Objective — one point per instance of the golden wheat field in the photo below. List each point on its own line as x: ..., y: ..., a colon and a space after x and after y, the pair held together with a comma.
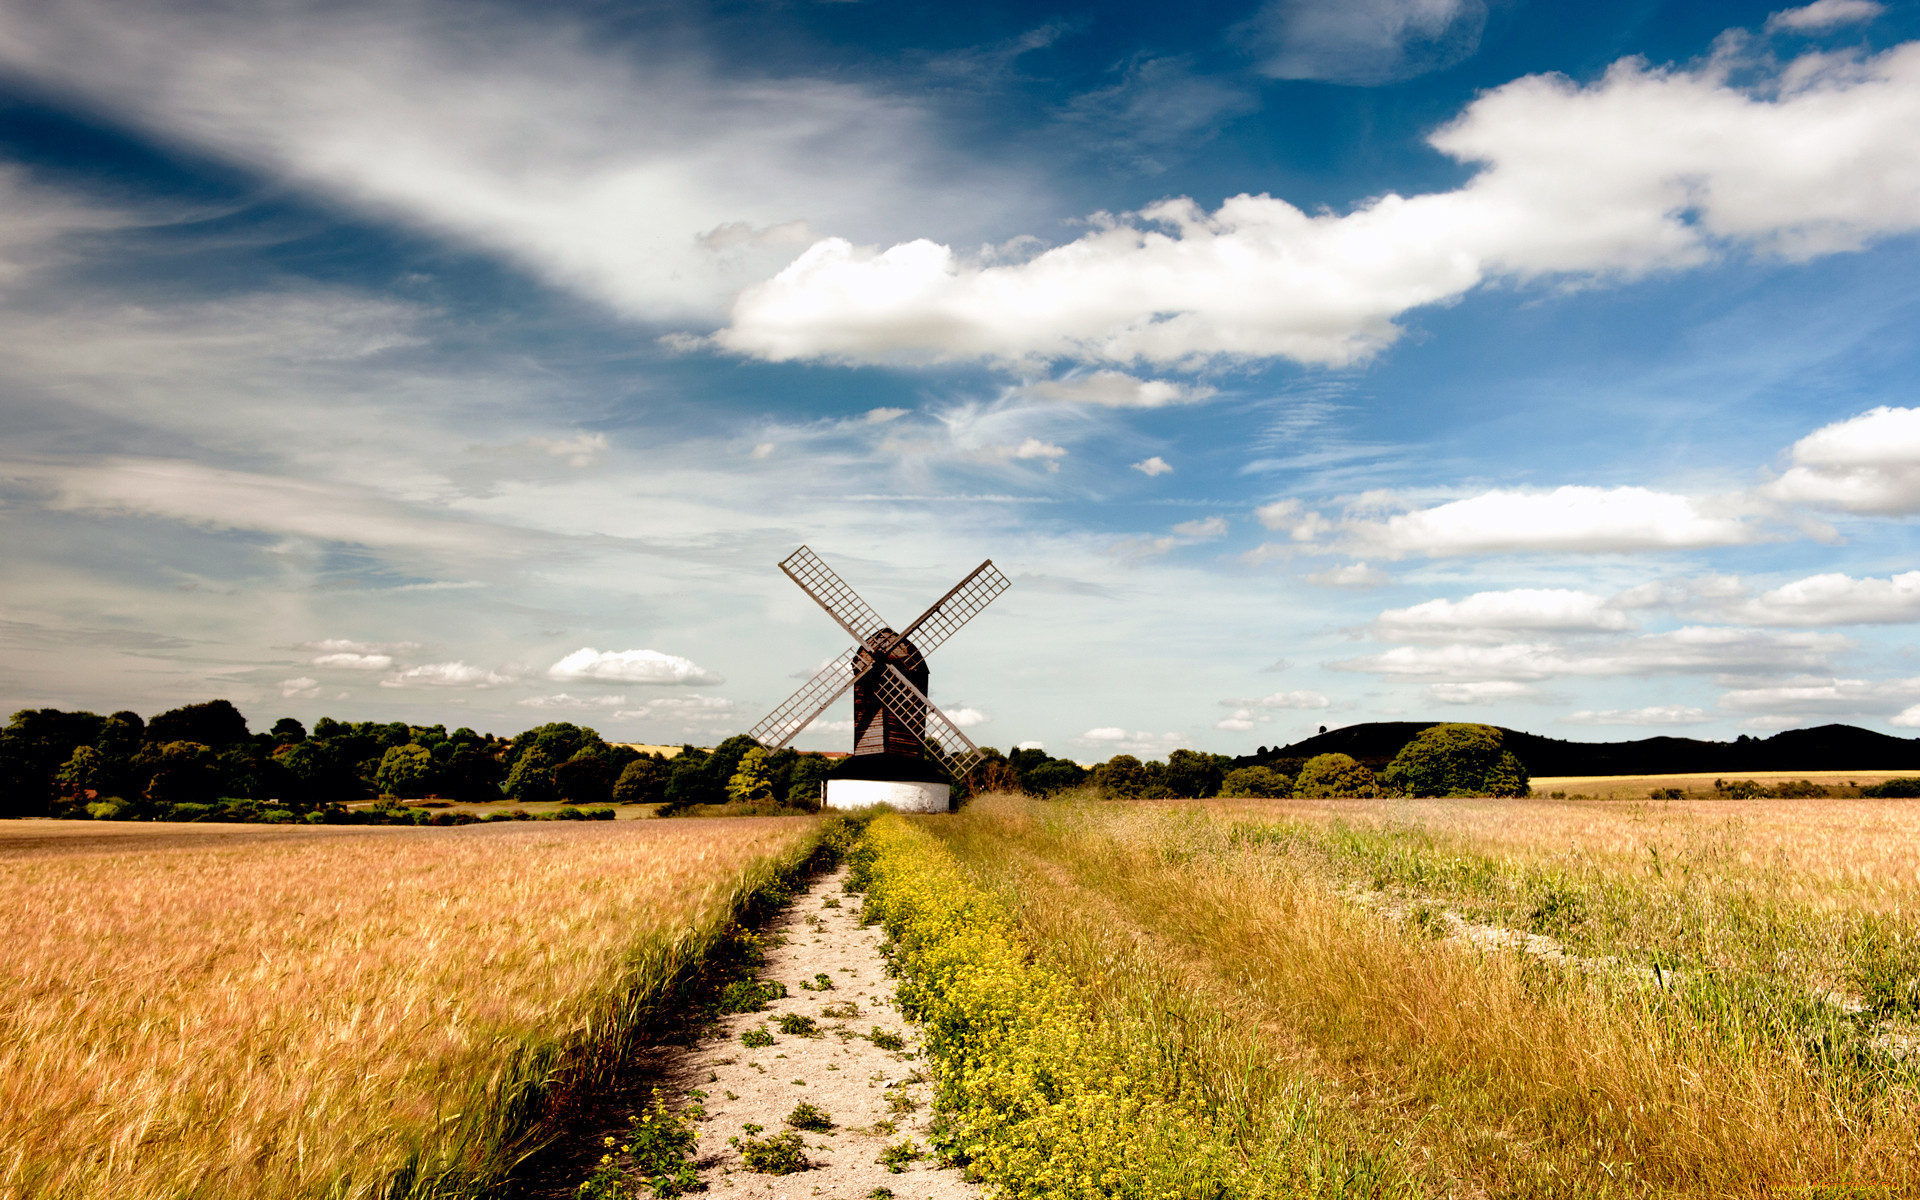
x: 1499, y: 998
x: 190, y: 1012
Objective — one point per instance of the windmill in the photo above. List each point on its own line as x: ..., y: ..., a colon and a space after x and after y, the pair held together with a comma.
x: 896, y: 729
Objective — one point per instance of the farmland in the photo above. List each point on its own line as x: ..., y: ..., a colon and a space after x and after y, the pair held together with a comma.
x: 1465, y: 997
x: 271, y: 1012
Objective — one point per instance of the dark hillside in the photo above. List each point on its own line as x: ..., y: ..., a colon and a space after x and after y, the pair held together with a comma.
x: 1825, y: 748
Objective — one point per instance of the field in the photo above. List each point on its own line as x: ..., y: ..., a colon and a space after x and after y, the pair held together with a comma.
x: 263, y: 1011
x: 1700, y: 783
x: 1447, y: 998
x: 1176, y: 999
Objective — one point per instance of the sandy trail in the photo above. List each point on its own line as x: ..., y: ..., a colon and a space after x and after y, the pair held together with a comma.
x: 876, y: 1098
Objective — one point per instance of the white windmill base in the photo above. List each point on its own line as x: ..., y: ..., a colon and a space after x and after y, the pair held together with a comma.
x: 904, y: 795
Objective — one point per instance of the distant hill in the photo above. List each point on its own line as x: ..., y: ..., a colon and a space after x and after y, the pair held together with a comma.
x: 1825, y: 748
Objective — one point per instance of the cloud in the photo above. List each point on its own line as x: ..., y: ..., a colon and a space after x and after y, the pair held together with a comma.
x: 1483, y: 692
x: 563, y: 700
x: 303, y: 687
x: 353, y: 662
x: 446, y: 674
x: 1647, y: 169
x: 1035, y: 448
x: 967, y: 718
x: 1030, y: 746
x: 1491, y: 616
x: 702, y: 715
x: 1152, y: 466
x: 1366, y: 41
x: 1567, y: 519
x: 224, y: 499
x: 1283, y: 700
x: 1864, y: 464
x: 1353, y: 575
x: 1111, y: 739
x: 579, y: 450
x: 1834, y: 599
x: 1115, y: 389
x: 1186, y: 533
x: 516, y: 132
x: 631, y: 666
x: 1207, y: 529
x: 1823, y: 15
x: 1682, y: 651
x: 1664, y: 714
x: 1906, y: 718
x: 349, y: 646
x: 1822, y: 697
x: 1300, y: 523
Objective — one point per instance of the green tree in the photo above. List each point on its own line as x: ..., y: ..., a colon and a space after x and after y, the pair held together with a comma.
x: 287, y: 729
x: 1191, y: 775
x: 1053, y: 775
x: 751, y: 780
x: 184, y: 773
x: 1256, y: 781
x: 1121, y: 777
x: 405, y: 771
x: 1456, y: 759
x: 1334, y: 775
x: 531, y: 779
x: 585, y: 778
x: 803, y: 785
x: 644, y: 781
x: 214, y: 724
x: 86, y: 771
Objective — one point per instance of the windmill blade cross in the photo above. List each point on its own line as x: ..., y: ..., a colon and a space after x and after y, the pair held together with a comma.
x: 831, y: 592
x: 945, y: 743
x: 957, y: 607
x: 799, y: 710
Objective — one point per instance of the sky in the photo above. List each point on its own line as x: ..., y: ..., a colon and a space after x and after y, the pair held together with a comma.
x: 1302, y: 363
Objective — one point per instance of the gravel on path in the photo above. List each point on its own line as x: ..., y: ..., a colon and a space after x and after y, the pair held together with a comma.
x: 876, y: 1098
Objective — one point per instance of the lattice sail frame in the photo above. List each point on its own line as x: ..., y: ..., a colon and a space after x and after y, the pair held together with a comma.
x: 942, y: 739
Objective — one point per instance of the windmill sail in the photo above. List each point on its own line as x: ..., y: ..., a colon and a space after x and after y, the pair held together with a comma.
x: 798, y: 711
x: 957, y: 607
x: 944, y: 742
x: 831, y: 592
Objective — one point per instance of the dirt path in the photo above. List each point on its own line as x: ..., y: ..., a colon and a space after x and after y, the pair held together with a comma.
x: 876, y: 1097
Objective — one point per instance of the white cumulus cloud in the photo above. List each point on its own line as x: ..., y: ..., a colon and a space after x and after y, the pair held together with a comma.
x: 302, y: 687
x: 1491, y: 616
x: 1835, y: 599
x: 630, y: 666
x: 1660, y: 714
x: 1823, y: 697
x: 967, y: 718
x: 1566, y: 519
x: 1647, y: 169
x: 1824, y: 14
x: 446, y: 674
x: 1152, y: 466
x: 1485, y: 691
x: 1864, y: 464
x: 353, y: 662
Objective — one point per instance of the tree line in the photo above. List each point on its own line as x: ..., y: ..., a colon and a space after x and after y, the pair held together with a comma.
x: 202, y: 762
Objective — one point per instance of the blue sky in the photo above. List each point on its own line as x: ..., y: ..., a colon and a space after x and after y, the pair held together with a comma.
x: 1302, y: 363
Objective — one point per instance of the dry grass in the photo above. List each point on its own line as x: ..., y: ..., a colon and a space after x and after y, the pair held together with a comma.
x: 263, y: 1015
x: 1498, y: 1074
x: 1857, y: 853
x: 1700, y: 783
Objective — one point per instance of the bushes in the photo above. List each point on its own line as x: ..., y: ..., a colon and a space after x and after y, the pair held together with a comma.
x: 1334, y: 775
x: 1257, y: 782
x: 1456, y: 760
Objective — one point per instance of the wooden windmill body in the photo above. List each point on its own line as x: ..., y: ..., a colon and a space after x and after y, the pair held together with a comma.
x: 906, y: 752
